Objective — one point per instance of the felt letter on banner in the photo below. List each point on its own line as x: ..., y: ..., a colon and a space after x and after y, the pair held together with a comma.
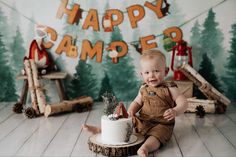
x: 53, y: 37
x: 121, y: 46
x: 91, y: 20
x: 144, y: 42
x: 71, y: 13
x: 135, y: 18
x: 118, y: 14
x: 174, y: 30
x: 156, y: 8
x: 64, y: 45
x: 87, y: 49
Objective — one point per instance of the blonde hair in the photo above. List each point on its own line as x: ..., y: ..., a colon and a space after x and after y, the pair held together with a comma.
x: 153, y: 54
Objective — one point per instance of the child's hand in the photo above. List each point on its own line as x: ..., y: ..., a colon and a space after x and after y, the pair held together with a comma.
x: 169, y: 114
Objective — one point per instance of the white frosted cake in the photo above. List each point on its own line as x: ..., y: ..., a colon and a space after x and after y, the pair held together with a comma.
x: 115, y: 131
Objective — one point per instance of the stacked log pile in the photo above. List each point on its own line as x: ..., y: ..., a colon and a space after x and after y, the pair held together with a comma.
x: 38, y: 100
x: 221, y: 102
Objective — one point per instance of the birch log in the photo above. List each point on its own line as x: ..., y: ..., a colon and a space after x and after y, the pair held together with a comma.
x: 208, y: 105
x: 41, y: 100
x: 68, y: 105
x: 206, y: 88
x: 31, y: 85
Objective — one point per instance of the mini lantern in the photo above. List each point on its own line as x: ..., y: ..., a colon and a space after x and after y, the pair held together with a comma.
x: 107, y: 25
x: 183, y: 56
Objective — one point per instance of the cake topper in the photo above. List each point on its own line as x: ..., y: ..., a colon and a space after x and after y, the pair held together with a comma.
x: 110, y: 103
x: 121, y: 111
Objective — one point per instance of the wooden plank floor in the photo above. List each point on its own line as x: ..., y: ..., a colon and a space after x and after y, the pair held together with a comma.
x: 62, y: 135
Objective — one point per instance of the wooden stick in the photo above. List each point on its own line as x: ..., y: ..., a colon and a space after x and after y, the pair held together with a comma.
x: 18, y: 107
x: 31, y: 85
x: 68, y: 105
x: 60, y: 90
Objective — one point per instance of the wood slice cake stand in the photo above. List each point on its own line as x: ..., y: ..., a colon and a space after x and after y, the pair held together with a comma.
x: 115, y: 150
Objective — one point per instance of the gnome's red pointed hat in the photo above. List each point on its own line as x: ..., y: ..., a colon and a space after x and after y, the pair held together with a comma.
x: 121, y: 112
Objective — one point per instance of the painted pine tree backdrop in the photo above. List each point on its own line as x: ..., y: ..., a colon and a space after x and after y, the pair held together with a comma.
x: 206, y: 36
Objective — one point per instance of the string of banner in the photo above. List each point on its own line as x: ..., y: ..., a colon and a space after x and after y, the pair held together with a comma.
x: 116, y: 49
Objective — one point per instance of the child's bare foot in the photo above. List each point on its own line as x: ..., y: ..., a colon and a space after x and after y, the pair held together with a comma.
x: 143, y: 152
x: 92, y: 129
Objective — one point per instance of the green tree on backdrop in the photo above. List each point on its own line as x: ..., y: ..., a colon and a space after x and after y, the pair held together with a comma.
x: 5, y: 32
x: 4, y: 28
x: 195, y: 44
x: 211, y: 38
x: 77, y: 33
x: 7, y: 84
x: 83, y: 82
x: 211, y: 49
x: 230, y: 78
x: 14, y: 20
x: 105, y: 87
x: 97, y: 68
x: 18, y: 52
x: 122, y: 75
x: 207, y: 70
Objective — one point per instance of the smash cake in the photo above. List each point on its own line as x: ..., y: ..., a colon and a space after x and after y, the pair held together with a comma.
x: 116, y: 128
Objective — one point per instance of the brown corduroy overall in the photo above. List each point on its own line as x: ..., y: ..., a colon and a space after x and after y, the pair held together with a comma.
x: 150, y: 122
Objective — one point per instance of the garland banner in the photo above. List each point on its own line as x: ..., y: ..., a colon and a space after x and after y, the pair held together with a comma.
x: 135, y: 14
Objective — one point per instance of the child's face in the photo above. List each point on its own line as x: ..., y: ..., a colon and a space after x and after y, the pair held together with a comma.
x: 153, y: 71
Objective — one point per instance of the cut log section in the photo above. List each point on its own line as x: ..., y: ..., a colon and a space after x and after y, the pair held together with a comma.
x: 115, y: 150
x: 68, y: 106
x: 206, y: 88
x: 208, y: 105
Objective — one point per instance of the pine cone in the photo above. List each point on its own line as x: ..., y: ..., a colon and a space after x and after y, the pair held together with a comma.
x: 200, y: 111
x: 18, y: 107
x: 30, y: 112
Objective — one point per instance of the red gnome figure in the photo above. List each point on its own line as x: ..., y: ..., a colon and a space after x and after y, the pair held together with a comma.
x: 37, y: 51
